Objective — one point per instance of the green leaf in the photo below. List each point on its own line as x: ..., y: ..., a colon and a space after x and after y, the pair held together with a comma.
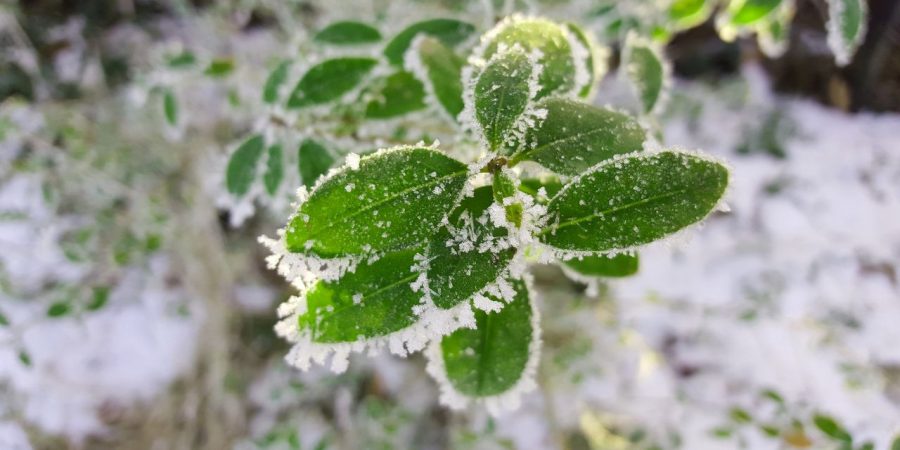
x: 450, y: 32
x: 531, y: 186
x: 646, y: 72
x: 395, y: 95
x: 895, y: 444
x: 372, y: 301
x: 633, y: 200
x: 558, y: 74
x: 749, y: 11
x: 219, y: 67
x: 582, y: 36
x: 274, y: 169
x: 170, y: 107
x: 59, y: 309
x: 502, y: 93
x: 440, y: 69
x: 846, y: 28
x: 575, y: 136
x: 492, y: 358
x: 740, y: 415
x: 329, y: 80
x: 274, y: 81
x: 620, y: 265
x: 314, y: 160
x: 394, y: 200
x: 4, y: 322
x: 681, y: 10
x: 505, y: 187
x: 241, y: 170
x: 457, y: 271
x: 99, y: 298
x: 831, y: 428
x: 181, y: 60
x: 348, y: 33
x: 25, y: 358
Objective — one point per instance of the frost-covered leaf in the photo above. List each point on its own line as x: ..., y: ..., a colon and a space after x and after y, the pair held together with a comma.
x: 450, y: 32
x: 241, y: 170
x: 394, y: 95
x: 747, y: 12
x: 502, y: 94
x: 274, y: 169
x: 620, y: 265
x: 595, y: 68
x: 466, y: 255
x: 274, y: 81
x: 348, y: 33
x: 646, y: 72
x: 846, y: 28
x: 561, y: 71
x: 633, y: 200
x: 329, y: 80
x: 219, y: 67
x: 170, y: 107
x: 374, y: 300
x: 496, y: 357
x: 440, y: 69
x: 313, y: 161
x: 394, y: 199
x: 575, y: 136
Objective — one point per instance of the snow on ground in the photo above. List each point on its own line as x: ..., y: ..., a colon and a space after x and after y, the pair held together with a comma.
x: 81, y: 366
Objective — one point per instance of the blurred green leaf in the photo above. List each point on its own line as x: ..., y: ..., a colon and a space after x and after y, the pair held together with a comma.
x: 395, y: 95
x: 170, y: 107
x: 348, y: 33
x: 274, y: 169
x: 329, y: 80
x: 219, y: 67
x: 59, y: 309
x: 443, y: 72
x: 274, y: 81
x: 313, y: 161
x: 241, y: 170
x: 450, y: 32
x: 831, y: 428
x: 645, y: 71
x: 620, y: 265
